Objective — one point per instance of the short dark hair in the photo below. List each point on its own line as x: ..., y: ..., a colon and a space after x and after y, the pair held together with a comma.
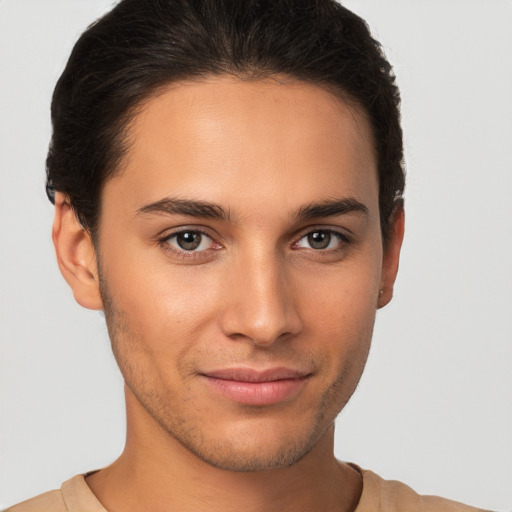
x: 140, y: 46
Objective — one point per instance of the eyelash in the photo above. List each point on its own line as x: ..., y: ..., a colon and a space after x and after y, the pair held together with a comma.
x: 344, y: 241
x: 164, y: 243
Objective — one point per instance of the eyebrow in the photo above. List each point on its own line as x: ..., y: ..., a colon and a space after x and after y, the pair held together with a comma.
x: 192, y: 208
x: 332, y: 208
x: 204, y: 209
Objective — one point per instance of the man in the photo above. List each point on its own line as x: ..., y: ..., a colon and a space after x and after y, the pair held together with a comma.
x: 227, y: 179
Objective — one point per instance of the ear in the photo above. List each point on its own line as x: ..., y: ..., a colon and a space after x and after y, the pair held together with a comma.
x: 391, y: 257
x: 75, y: 254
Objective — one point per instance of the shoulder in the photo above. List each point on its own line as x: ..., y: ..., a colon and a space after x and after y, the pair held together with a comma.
x: 51, y: 501
x: 393, y: 496
x: 73, y: 496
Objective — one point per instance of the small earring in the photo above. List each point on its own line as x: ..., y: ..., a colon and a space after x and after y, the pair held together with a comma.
x: 381, y: 292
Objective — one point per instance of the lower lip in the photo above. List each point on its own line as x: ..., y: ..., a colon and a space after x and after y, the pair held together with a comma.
x: 257, y: 393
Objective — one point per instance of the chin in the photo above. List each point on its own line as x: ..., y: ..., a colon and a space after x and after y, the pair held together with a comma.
x: 252, y: 460
x: 253, y: 447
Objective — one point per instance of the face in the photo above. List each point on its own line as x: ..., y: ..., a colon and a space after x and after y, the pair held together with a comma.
x: 241, y: 260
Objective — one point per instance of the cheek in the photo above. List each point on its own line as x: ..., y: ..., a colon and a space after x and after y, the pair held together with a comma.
x: 344, y: 297
x: 339, y: 312
x: 164, y: 307
x: 343, y: 330
x: 346, y: 322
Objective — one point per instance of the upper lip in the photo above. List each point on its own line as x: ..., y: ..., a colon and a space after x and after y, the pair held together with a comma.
x: 254, y: 375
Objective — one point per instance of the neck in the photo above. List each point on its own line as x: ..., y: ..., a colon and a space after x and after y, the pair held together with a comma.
x: 155, y: 472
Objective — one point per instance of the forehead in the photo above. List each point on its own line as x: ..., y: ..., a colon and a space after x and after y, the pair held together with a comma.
x: 239, y: 143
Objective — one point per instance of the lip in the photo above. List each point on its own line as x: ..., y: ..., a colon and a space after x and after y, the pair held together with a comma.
x: 257, y: 387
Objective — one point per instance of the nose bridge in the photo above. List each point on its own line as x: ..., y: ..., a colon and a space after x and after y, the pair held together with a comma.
x: 260, y: 306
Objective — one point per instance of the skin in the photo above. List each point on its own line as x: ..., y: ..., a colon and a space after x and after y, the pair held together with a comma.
x: 256, y: 293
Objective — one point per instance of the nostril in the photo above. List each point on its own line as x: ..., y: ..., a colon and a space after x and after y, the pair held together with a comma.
x: 261, y: 328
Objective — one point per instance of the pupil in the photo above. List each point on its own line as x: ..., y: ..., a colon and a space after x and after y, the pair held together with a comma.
x: 319, y: 239
x: 189, y: 240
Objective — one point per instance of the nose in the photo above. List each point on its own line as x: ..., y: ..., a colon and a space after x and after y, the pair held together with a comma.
x: 260, y: 305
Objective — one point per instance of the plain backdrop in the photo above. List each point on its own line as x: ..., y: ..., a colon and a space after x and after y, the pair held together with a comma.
x: 434, y: 406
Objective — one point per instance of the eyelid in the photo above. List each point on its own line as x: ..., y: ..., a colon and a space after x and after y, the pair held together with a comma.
x: 175, y: 230
x: 344, y: 233
x: 166, y: 235
x: 344, y: 236
x: 178, y: 231
x: 344, y: 240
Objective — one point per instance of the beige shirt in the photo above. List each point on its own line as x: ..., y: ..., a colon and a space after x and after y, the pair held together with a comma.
x: 378, y: 495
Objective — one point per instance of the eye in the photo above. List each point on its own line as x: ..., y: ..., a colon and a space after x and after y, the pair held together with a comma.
x: 189, y: 241
x: 321, y: 240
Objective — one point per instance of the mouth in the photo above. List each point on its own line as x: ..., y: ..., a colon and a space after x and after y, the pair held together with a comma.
x: 257, y: 387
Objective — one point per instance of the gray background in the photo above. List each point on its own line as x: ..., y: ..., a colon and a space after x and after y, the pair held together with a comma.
x: 434, y: 406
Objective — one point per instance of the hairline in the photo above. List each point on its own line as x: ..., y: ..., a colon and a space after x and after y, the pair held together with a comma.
x: 124, y: 138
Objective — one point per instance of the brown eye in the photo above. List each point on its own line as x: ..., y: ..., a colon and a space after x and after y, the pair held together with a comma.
x: 323, y: 240
x: 189, y: 240
x: 319, y: 239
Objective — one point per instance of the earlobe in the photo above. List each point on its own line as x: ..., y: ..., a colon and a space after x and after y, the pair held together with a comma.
x: 391, y: 258
x: 75, y: 254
